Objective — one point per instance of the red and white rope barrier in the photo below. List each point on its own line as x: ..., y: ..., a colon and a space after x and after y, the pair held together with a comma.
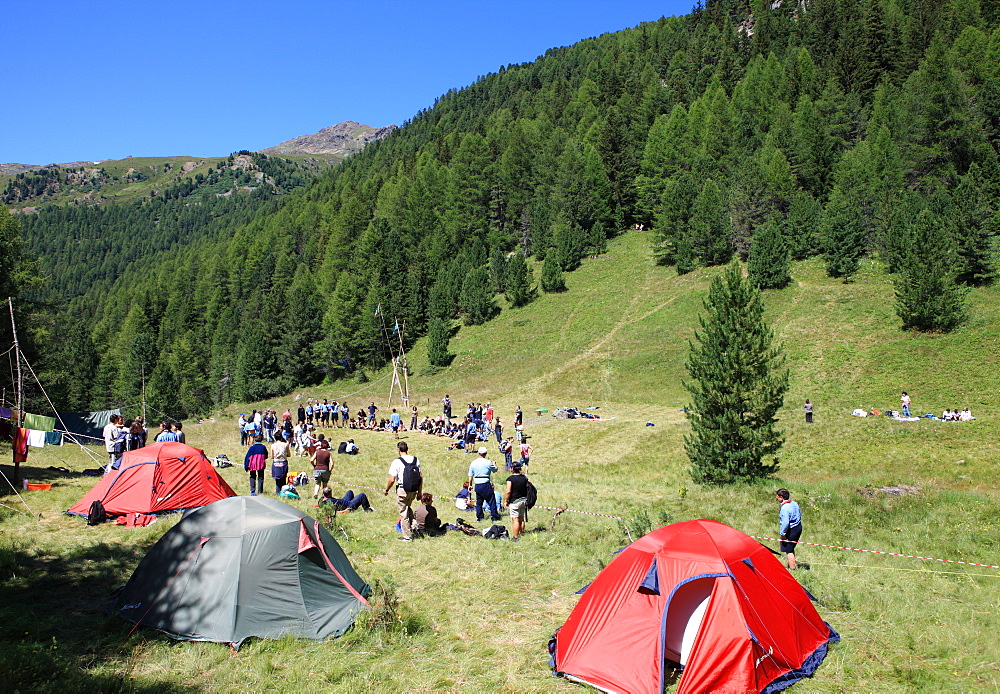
x: 889, y: 554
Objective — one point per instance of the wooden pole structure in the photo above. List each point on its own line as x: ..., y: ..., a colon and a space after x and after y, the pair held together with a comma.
x: 405, y: 386
x: 20, y: 395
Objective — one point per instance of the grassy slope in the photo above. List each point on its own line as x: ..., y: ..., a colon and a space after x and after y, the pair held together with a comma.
x: 475, y: 616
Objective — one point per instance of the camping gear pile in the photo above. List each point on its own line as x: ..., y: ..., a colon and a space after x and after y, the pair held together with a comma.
x: 698, y: 596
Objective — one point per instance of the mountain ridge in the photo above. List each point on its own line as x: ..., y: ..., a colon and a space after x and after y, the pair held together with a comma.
x: 341, y: 138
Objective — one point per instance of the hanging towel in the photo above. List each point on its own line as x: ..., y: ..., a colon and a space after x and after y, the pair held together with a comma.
x: 20, y: 445
x: 53, y: 438
x: 6, y: 413
x: 39, y: 422
x: 36, y: 438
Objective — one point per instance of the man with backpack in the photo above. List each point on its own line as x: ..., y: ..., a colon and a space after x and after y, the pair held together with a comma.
x: 516, y: 497
x: 408, y: 481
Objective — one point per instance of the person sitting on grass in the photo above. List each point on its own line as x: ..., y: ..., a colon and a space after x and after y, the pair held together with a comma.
x: 349, y: 502
x: 463, y: 499
x: 425, y: 517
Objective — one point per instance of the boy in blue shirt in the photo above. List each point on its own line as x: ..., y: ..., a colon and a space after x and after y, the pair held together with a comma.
x: 790, y: 525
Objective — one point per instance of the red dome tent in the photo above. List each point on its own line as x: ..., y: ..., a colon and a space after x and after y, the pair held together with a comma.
x: 166, y: 476
x: 699, y: 595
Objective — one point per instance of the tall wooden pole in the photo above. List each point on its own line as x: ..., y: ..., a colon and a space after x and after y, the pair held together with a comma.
x: 20, y: 401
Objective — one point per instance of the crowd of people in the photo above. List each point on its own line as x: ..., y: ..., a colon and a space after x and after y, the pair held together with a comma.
x: 301, y: 438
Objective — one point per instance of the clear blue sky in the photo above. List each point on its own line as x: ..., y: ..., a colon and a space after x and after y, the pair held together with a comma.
x: 105, y: 80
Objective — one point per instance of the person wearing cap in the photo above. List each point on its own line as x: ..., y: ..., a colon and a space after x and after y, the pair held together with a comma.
x: 479, y: 478
x: 515, y: 497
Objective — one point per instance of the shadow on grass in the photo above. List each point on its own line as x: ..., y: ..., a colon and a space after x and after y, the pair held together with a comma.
x: 53, y: 633
x: 38, y: 474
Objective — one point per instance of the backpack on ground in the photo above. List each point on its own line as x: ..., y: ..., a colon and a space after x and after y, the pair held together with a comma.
x: 496, y: 532
x: 531, y: 495
x: 97, y: 514
x: 465, y: 527
x: 411, y: 475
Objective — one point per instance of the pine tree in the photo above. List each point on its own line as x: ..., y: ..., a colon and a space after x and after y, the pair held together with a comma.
x: 710, y: 225
x: 568, y: 239
x: 768, y: 262
x: 974, y: 227
x: 844, y: 231
x: 672, y: 221
x: 927, y: 295
x: 437, y: 342
x: 597, y: 240
x: 477, y: 302
x: 498, y: 269
x: 516, y: 282
x: 552, y: 277
x: 738, y: 382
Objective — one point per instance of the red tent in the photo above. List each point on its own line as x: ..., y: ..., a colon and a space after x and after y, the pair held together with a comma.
x: 699, y: 596
x: 166, y: 476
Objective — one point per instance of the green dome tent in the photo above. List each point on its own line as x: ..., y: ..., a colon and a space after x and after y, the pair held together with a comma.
x: 244, y: 567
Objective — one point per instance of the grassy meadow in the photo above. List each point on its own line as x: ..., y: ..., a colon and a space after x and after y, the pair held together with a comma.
x: 456, y: 613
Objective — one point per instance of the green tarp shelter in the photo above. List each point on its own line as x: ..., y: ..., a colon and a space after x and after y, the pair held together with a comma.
x: 244, y: 567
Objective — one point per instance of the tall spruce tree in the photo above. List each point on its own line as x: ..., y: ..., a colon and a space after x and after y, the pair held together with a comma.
x: 927, y: 295
x: 552, y: 276
x: 477, y: 302
x: 769, y: 257
x: 844, y: 231
x: 438, y: 335
x: 738, y: 382
x: 517, y: 285
x: 498, y: 269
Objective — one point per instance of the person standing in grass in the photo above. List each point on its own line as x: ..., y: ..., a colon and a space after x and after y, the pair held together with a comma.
x: 790, y: 525
x: 479, y: 478
x: 395, y: 422
x: 526, y: 450
x: 255, y: 462
x: 515, y: 498
x: 322, y: 465
x: 280, y: 450
x: 408, y: 481
x: 166, y: 433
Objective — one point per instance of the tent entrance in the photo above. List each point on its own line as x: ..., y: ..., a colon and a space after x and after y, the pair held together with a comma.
x: 683, y: 617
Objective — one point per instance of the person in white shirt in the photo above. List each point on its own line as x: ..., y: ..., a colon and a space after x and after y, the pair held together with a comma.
x: 114, y: 441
